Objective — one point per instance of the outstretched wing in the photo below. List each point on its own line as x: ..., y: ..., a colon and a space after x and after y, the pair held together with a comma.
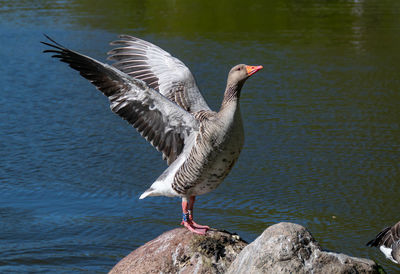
x: 163, y: 123
x: 161, y: 71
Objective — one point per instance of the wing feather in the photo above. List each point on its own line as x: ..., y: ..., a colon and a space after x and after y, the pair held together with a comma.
x: 162, y: 122
x: 161, y: 71
x: 387, y: 236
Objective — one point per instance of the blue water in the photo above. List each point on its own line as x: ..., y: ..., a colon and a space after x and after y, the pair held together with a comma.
x: 322, y: 123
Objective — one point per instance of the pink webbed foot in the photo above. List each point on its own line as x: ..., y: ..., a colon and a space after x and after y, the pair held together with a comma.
x: 189, y: 225
x: 206, y: 227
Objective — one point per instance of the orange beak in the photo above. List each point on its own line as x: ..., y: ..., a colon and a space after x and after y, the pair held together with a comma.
x: 252, y: 69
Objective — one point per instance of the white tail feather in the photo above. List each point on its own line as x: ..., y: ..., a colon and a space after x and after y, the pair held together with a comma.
x: 146, y: 193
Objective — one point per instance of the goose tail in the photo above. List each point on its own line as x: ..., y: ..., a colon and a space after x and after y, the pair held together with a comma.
x: 148, y: 192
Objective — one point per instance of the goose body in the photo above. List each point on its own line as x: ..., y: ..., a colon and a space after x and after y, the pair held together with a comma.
x: 388, y: 241
x: 158, y: 95
x: 208, y: 160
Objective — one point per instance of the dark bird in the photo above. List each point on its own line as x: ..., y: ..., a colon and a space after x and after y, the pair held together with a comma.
x: 388, y: 241
x: 157, y: 94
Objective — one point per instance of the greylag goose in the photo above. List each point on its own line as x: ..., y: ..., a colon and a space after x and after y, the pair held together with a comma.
x: 388, y: 241
x: 157, y: 94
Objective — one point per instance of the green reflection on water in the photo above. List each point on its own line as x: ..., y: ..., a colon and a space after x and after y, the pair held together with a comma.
x: 308, y: 21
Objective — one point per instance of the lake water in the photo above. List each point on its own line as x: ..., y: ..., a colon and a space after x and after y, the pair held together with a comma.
x: 322, y: 125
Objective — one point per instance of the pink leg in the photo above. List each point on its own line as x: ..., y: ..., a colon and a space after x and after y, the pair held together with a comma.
x: 190, y: 207
x: 187, y: 222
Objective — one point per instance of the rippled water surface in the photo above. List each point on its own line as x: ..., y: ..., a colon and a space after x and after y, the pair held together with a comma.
x: 322, y: 125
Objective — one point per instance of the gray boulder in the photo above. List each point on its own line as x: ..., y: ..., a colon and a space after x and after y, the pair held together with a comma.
x: 181, y: 251
x: 290, y: 248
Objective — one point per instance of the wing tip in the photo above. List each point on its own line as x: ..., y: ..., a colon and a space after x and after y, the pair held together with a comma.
x: 51, y: 40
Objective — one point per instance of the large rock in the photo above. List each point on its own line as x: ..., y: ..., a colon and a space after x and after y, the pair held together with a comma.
x: 181, y: 251
x: 290, y: 248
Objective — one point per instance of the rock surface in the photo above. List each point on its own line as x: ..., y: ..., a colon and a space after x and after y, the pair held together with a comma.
x: 290, y: 248
x: 281, y: 248
x: 181, y: 251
